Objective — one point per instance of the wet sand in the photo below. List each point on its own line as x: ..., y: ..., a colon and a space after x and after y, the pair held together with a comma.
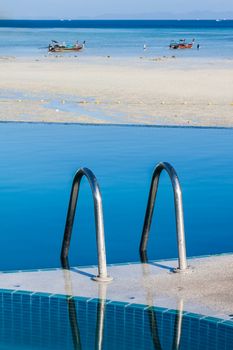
x: 155, y: 91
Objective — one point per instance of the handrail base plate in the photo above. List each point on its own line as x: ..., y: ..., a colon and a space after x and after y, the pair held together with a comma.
x: 102, y: 279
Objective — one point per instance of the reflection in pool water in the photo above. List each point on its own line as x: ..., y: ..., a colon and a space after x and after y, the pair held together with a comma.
x: 38, y: 162
x: 43, y: 321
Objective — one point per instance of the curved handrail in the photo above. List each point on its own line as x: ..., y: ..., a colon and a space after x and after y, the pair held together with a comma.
x: 178, y: 209
x: 99, y: 222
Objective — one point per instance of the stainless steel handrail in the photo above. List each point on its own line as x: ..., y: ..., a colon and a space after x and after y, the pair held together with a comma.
x: 178, y: 209
x: 99, y: 222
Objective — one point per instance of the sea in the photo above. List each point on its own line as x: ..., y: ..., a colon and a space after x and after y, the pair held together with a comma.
x: 118, y: 38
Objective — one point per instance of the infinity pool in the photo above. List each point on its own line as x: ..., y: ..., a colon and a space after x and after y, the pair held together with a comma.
x: 38, y: 162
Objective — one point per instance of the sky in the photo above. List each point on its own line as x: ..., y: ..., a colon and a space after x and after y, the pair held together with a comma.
x: 75, y: 9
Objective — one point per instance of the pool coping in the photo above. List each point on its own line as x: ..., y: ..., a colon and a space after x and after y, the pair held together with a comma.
x: 14, y: 282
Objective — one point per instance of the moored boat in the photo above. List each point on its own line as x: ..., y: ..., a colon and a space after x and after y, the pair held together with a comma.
x: 55, y: 46
x: 181, y: 44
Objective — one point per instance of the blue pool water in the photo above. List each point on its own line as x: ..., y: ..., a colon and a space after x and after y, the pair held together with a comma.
x: 118, y: 38
x: 43, y: 321
x: 38, y: 162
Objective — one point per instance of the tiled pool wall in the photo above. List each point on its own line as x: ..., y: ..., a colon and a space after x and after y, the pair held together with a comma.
x: 52, y: 321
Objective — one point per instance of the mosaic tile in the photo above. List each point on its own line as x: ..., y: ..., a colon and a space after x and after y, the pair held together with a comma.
x: 53, y: 321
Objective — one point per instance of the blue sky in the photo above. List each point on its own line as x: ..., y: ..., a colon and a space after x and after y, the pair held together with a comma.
x: 74, y: 9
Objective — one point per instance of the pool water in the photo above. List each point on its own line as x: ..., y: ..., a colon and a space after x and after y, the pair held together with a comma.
x: 44, y: 321
x: 38, y: 162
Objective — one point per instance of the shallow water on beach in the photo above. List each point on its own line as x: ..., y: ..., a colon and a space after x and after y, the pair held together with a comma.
x: 67, y: 103
x: 215, y: 41
x: 38, y: 162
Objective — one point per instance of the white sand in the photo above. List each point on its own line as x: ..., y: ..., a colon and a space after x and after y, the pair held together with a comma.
x: 168, y: 91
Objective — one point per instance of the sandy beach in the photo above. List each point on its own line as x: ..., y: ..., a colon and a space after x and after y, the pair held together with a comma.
x: 157, y: 91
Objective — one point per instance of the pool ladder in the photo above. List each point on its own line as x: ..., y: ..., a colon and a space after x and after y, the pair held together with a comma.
x: 99, y: 222
x: 180, y: 233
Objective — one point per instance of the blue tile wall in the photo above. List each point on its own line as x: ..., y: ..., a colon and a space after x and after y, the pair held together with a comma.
x: 49, y: 321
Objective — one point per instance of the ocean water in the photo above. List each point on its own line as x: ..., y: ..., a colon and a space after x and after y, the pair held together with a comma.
x: 118, y: 38
x: 38, y: 162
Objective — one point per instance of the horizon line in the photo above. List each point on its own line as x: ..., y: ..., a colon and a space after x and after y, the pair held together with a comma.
x: 117, y: 19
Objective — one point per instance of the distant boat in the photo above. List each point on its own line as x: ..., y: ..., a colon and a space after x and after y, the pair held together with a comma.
x: 181, y: 44
x: 55, y: 46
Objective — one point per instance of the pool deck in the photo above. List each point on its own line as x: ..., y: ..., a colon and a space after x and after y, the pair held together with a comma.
x: 206, y: 288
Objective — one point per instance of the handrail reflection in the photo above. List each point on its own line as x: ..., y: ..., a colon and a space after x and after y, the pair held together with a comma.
x: 71, y: 306
x: 152, y: 314
x: 101, y: 307
x: 102, y: 291
x: 178, y: 325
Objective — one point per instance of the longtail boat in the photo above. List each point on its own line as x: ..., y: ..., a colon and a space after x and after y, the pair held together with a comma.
x: 55, y: 46
x: 181, y: 44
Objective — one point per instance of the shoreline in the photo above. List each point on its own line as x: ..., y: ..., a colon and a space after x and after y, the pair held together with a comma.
x: 164, y: 91
x: 119, y: 125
